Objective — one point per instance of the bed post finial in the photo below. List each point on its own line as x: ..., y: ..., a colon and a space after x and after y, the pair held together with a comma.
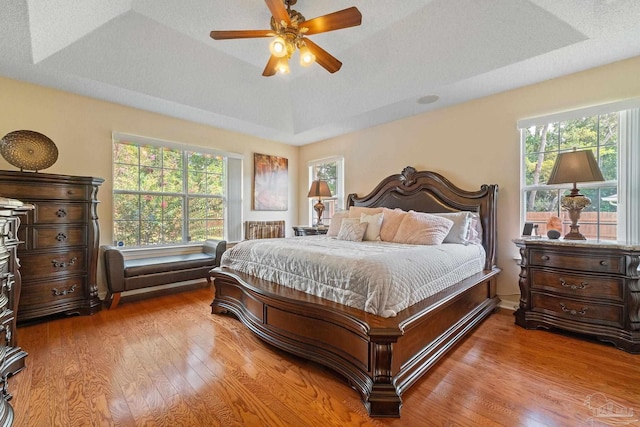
x: 407, y: 176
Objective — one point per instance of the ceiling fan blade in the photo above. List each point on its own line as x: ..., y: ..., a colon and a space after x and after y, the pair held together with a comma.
x: 278, y: 11
x: 240, y: 34
x: 345, y: 18
x: 270, y: 69
x: 324, y: 58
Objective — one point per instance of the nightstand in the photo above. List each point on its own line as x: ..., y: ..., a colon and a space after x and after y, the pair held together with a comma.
x: 587, y: 287
x: 302, y: 230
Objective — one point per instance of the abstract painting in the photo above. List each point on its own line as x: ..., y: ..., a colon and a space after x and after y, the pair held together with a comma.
x: 270, y: 183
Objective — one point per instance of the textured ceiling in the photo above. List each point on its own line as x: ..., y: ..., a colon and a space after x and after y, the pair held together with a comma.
x: 157, y: 55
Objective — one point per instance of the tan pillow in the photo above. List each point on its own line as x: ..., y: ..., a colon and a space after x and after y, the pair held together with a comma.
x: 390, y: 222
x: 336, y: 222
x: 352, y: 230
x: 356, y: 211
x: 418, y: 228
x: 373, y: 228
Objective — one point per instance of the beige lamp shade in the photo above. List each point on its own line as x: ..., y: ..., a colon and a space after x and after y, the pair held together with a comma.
x: 575, y: 166
x: 319, y: 189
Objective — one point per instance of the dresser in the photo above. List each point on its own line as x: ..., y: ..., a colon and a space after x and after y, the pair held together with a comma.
x: 587, y: 287
x: 61, y: 238
x: 11, y: 355
x: 301, y: 230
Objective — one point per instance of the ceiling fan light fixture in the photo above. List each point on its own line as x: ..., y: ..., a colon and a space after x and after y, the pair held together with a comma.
x: 306, y: 57
x: 283, y: 66
x: 278, y: 47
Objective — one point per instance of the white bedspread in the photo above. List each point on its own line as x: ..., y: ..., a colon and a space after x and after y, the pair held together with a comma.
x: 381, y: 278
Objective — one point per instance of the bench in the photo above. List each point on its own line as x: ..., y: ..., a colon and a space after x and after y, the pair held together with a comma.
x: 127, y: 274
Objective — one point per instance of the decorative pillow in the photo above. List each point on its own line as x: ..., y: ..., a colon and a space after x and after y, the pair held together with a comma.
x: 352, y: 230
x: 418, y: 228
x: 373, y: 228
x: 460, y: 228
x: 390, y: 222
x: 475, y: 230
x: 356, y: 211
x: 336, y: 222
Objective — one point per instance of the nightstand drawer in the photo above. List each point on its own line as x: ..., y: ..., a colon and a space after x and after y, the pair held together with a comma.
x: 578, y: 310
x: 578, y: 285
x: 578, y: 261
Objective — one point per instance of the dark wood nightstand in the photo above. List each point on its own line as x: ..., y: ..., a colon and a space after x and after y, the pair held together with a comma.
x: 587, y: 287
x: 302, y: 230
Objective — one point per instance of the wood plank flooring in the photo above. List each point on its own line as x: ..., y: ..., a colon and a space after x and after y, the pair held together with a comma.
x: 167, y: 361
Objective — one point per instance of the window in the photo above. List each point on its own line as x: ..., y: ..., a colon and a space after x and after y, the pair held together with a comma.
x: 165, y: 193
x: 332, y: 171
x: 606, y: 131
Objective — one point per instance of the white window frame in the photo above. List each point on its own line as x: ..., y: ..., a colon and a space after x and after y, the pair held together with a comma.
x: 232, y: 197
x: 628, y: 179
x: 338, y: 198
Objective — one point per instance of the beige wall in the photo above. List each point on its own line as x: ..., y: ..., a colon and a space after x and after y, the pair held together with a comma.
x: 473, y: 143
x: 81, y: 127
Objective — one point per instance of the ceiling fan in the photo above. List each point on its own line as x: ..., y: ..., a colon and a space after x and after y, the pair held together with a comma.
x: 289, y: 28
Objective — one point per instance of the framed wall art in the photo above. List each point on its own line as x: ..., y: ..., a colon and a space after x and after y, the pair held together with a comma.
x: 270, y: 183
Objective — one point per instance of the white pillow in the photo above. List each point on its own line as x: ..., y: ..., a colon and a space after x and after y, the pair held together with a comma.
x: 460, y: 230
x: 374, y: 224
x: 475, y: 230
x: 352, y: 230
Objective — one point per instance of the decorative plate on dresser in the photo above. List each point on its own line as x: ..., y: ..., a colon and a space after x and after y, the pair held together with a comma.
x: 61, y: 235
x: 587, y: 287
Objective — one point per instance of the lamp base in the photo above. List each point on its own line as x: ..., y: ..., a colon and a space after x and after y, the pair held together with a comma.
x: 574, y: 204
x: 319, y: 208
x: 574, y: 234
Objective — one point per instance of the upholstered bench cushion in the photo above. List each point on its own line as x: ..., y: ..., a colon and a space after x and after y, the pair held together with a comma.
x: 162, y: 264
x: 125, y: 274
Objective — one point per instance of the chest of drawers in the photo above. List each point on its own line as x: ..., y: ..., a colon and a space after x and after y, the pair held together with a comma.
x: 585, y: 287
x: 61, y: 238
x: 11, y: 355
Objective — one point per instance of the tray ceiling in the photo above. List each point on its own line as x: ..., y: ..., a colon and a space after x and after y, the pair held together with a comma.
x: 157, y: 55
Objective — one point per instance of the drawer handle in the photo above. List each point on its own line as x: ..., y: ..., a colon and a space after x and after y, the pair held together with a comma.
x: 61, y: 237
x: 604, y: 263
x: 58, y: 264
x: 61, y: 213
x: 572, y: 286
x: 545, y: 257
x: 57, y: 293
x: 572, y: 311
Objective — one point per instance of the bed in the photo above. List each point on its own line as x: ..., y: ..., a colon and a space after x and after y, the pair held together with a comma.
x: 381, y: 357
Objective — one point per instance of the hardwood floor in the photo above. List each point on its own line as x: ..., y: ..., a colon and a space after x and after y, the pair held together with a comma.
x: 167, y: 361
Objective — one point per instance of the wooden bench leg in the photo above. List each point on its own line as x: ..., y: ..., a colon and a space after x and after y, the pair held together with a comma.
x: 114, y: 301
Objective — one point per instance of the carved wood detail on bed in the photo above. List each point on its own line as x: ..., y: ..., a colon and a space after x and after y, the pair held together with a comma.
x: 380, y: 357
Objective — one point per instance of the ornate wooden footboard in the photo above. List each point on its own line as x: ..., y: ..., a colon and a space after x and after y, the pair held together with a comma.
x: 381, y: 357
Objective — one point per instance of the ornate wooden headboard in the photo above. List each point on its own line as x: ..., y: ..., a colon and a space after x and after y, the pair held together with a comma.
x: 427, y: 191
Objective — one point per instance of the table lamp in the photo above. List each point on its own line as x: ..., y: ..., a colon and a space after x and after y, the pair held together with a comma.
x: 573, y: 167
x: 319, y: 189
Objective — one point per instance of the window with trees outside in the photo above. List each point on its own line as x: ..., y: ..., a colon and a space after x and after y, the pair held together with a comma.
x: 608, y: 133
x: 332, y: 171
x: 165, y: 193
